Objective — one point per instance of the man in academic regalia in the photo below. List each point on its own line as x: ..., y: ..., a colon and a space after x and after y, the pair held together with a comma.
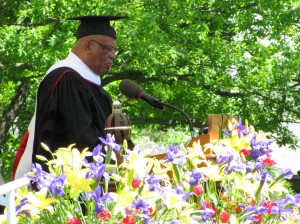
x: 71, y: 106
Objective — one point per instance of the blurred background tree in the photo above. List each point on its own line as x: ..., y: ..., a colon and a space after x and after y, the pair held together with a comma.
x: 236, y: 57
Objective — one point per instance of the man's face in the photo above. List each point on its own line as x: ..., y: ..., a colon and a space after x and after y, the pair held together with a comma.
x: 103, y: 53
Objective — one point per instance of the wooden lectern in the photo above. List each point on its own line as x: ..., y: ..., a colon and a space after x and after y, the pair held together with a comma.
x: 216, y: 122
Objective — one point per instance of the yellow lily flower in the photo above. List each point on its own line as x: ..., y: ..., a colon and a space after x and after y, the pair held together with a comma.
x: 185, y: 215
x: 195, y: 154
x: 173, y: 200
x: 137, y: 161
x: 161, y: 171
x: 77, y: 182
x: 246, y: 184
x: 235, y: 142
x: 39, y: 201
x: 212, y: 172
x: 124, y: 198
x: 69, y: 158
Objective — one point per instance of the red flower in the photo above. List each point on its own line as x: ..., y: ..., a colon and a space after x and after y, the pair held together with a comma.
x: 269, y: 205
x: 207, y: 205
x: 74, y: 220
x: 198, y: 189
x: 235, y: 207
x: 136, y: 183
x: 268, y: 162
x: 215, y: 210
x: 105, y: 215
x: 128, y: 220
x: 152, y: 211
x: 224, y: 217
x: 245, y: 152
x: 259, y: 218
x: 238, y: 209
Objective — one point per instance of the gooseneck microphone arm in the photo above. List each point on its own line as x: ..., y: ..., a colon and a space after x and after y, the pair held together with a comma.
x: 186, y: 116
x: 132, y: 90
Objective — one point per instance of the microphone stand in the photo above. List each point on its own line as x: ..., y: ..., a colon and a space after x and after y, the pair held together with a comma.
x: 182, y: 112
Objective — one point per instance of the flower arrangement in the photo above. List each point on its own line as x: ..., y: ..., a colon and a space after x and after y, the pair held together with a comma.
x: 238, y: 183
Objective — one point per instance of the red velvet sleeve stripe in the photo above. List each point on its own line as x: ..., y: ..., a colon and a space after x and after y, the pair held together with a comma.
x: 20, y: 151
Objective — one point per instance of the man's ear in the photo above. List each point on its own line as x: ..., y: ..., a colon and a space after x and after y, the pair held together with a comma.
x: 87, y: 46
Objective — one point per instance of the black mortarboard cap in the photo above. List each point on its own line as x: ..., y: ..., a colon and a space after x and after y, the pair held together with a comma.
x: 95, y: 25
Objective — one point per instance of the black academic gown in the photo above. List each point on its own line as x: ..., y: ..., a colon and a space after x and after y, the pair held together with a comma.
x: 69, y: 110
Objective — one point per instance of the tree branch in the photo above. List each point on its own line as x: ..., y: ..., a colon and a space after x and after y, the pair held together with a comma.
x: 12, y: 112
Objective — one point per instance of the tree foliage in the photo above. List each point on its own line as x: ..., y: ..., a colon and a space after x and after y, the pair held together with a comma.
x: 236, y: 57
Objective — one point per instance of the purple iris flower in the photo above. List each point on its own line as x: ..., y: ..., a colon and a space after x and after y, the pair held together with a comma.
x: 110, y: 140
x: 297, y: 200
x: 195, y: 177
x: 292, y: 200
x: 141, y: 205
x: 250, y: 209
x: 96, y: 171
x: 235, y: 165
x: 287, y: 174
x: 175, y: 222
x: 258, y: 165
x: 128, y: 210
x: 193, y: 181
x: 232, y: 161
x: 260, y: 148
x: 253, y: 166
x: 42, y: 178
x: 281, y: 210
x: 20, y: 211
x: 206, y: 213
x: 97, y: 168
x: 242, y: 129
x: 197, y: 174
x: 96, y: 195
x: 255, y: 210
x: 175, y: 155
x: 266, y: 151
x: 98, y: 155
x: 263, y: 176
x: 224, y: 157
x: 261, y: 209
x: 249, y: 166
x: 153, y: 182
x: 180, y: 191
x: 153, y: 179
x: 255, y: 154
x: 57, y: 186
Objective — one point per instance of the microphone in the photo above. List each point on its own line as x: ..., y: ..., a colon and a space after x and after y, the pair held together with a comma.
x: 132, y: 90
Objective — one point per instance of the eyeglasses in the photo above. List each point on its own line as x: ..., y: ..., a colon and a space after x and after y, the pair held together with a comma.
x: 106, y: 49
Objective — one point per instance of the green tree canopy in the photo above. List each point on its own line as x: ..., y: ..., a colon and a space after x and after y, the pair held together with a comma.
x: 236, y: 57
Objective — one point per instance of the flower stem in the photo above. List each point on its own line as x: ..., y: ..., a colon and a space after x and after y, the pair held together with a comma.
x: 257, y: 194
x: 276, y: 180
x: 107, y: 161
x: 177, y: 174
x: 245, y: 216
